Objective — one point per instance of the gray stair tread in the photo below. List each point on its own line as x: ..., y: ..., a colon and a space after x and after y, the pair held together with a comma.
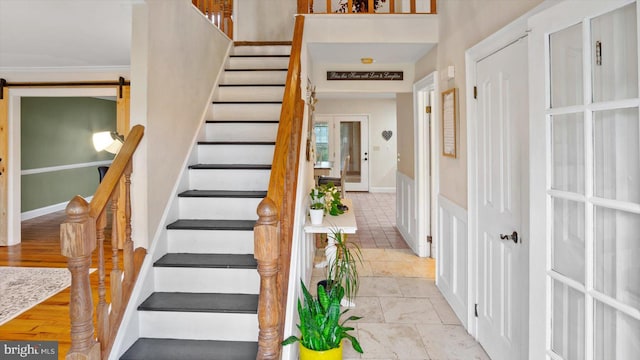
x: 232, y: 166
x: 218, y: 261
x: 201, y: 302
x: 203, y: 224
x: 173, y: 349
x: 242, y: 122
x: 260, y: 56
x: 223, y: 193
x: 249, y: 102
x: 251, y: 85
x: 256, y: 69
x: 236, y: 142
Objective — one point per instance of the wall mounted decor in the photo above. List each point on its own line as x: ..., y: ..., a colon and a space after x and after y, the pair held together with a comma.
x: 365, y: 75
x: 449, y: 108
x: 386, y: 134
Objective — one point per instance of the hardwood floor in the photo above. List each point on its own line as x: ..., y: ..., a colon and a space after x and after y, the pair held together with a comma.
x: 40, y: 247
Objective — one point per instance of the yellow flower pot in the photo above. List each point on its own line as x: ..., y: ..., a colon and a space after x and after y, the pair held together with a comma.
x: 333, y: 354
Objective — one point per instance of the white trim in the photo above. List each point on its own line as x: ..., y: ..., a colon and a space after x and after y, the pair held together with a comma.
x: 65, y: 167
x: 452, y: 273
x: 382, y: 189
x: 425, y: 152
x: 406, y: 209
x: 27, y: 215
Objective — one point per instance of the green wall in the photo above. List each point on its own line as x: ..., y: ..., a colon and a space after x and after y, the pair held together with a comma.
x: 57, y: 131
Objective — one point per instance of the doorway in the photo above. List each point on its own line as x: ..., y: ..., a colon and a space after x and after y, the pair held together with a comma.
x: 338, y: 136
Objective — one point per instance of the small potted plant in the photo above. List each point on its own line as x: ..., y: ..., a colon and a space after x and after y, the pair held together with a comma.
x: 317, y: 206
x: 321, y: 329
x: 342, y: 259
x: 332, y: 199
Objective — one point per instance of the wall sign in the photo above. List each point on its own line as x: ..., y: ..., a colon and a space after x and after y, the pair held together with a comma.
x: 365, y: 75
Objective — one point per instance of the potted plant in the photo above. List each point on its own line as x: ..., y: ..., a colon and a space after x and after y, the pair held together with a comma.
x: 321, y: 329
x: 317, y: 207
x: 343, y: 257
x: 332, y: 199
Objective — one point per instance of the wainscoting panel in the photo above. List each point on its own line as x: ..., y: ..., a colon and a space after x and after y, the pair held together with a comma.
x: 451, y: 275
x: 406, y: 209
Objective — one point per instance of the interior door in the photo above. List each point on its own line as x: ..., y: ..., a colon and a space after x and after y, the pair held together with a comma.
x: 589, y: 188
x: 4, y: 153
x: 502, y: 167
x: 353, y: 140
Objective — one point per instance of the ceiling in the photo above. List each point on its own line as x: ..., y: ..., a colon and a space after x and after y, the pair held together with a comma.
x: 382, y: 53
x: 64, y: 33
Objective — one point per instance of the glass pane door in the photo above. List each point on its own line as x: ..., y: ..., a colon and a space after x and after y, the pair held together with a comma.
x: 594, y: 188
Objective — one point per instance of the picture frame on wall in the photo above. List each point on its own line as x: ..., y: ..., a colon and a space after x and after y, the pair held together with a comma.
x: 449, y: 131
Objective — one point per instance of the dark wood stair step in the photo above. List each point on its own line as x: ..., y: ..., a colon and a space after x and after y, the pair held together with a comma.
x: 173, y: 349
x: 201, y: 302
x: 215, y: 261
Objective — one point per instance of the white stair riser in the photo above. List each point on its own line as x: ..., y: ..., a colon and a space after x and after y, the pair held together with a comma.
x: 218, y: 208
x: 235, y: 154
x: 246, y: 112
x: 210, y: 241
x: 198, y: 325
x: 249, y: 93
x: 258, y: 63
x: 254, y: 77
x: 207, y: 280
x: 241, y: 132
x: 223, y: 179
x: 262, y: 50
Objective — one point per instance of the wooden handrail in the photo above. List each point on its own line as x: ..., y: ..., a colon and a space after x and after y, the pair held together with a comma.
x: 219, y: 12
x: 360, y: 7
x: 274, y: 229
x: 80, y: 235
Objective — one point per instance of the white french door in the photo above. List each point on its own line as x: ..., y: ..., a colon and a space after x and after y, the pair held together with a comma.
x: 501, y: 165
x: 345, y: 135
x: 585, y: 182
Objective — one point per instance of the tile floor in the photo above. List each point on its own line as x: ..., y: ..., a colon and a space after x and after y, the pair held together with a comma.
x: 404, y: 314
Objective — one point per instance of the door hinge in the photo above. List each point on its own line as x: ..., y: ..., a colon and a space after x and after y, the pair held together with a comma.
x: 598, y: 53
x: 475, y: 92
x: 476, y: 310
x: 429, y: 239
x: 427, y: 109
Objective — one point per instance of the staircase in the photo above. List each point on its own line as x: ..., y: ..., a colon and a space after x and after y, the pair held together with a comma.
x: 205, y: 299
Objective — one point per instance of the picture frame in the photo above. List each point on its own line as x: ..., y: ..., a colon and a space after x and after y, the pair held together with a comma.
x: 449, y: 128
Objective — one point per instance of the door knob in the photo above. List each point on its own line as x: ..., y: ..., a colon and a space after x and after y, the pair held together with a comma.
x: 513, y: 236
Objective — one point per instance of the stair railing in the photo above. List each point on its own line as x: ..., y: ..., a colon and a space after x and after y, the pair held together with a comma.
x: 273, y: 231
x: 219, y: 12
x: 360, y: 7
x: 83, y: 232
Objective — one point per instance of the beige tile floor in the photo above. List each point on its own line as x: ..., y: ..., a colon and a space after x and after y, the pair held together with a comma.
x: 404, y: 314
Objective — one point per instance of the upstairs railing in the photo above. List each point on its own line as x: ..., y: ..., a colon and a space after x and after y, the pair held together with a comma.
x: 80, y: 235
x: 219, y: 12
x: 367, y: 6
x: 274, y: 229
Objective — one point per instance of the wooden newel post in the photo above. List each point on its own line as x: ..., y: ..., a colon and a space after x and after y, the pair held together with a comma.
x: 266, y: 252
x: 77, y: 241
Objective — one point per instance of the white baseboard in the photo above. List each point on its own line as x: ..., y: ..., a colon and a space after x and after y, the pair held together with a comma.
x: 389, y: 189
x: 28, y: 215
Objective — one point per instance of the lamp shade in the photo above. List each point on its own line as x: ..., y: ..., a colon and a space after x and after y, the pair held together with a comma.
x: 108, y: 141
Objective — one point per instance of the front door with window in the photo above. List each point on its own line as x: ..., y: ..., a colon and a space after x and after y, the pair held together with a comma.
x: 585, y: 267
x: 338, y: 136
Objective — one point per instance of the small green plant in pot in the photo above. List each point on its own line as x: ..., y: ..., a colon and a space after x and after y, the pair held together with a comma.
x: 343, y: 269
x: 317, y: 206
x: 321, y: 327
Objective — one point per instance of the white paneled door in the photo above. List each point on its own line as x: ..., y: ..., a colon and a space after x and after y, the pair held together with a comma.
x: 502, y: 98
x: 586, y: 182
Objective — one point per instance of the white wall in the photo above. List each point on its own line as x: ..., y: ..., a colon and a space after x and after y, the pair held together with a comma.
x: 173, y: 80
x: 382, y: 153
x: 260, y: 20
